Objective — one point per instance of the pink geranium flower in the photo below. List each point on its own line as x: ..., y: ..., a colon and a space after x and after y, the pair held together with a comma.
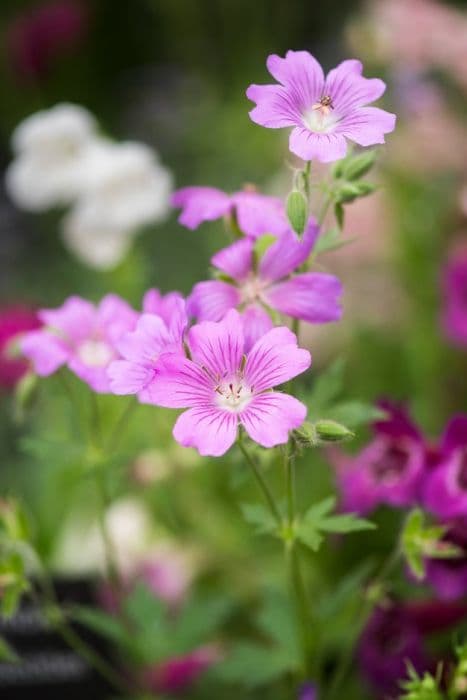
x: 157, y: 332
x: 255, y: 213
x: 222, y: 388
x: 14, y: 321
x: 81, y: 336
x: 272, y: 284
x: 323, y: 111
x: 454, y: 313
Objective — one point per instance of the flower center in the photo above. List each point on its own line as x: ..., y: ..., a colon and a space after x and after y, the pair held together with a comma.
x: 392, y: 464
x: 251, y: 290
x: 320, y: 117
x: 233, y: 395
x: 95, y: 353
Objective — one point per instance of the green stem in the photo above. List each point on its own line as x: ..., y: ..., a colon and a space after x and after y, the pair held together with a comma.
x: 324, y: 208
x: 306, y: 179
x: 267, y: 493
x: 118, y: 431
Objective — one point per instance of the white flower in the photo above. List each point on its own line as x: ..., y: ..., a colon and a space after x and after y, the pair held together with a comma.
x: 48, y: 168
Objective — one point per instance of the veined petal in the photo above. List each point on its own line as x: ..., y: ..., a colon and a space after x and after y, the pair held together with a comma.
x: 200, y: 204
x: 128, y: 377
x: 149, y: 340
x: 180, y: 383
x: 236, y: 260
x: 274, y: 107
x: 210, y: 430
x: 46, y: 352
x: 218, y: 346
x: 325, y: 147
x: 256, y: 322
x: 301, y: 74
x: 210, y: 300
x: 274, y: 359
x: 349, y: 89
x: 366, y: 125
x: 311, y: 296
x: 286, y: 254
x: 270, y: 416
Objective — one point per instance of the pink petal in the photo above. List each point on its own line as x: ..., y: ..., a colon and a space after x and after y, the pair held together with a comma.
x: 236, y: 260
x: 274, y: 359
x: 312, y: 146
x: 256, y: 322
x: 46, y: 352
x: 115, y: 316
x: 258, y: 214
x: 287, y: 253
x: 218, y: 346
x: 210, y: 430
x: 269, y: 418
x: 95, y: 377
x: 366, y: 125
x: 164, y: 306
x: 128, y: 377
x: 200, y: 204
x: 211, y: 300
x: 75, y: 319
x: 180, y: 383
x: 149, y: 339
x: 301, y: 73
x: 349, y: 89
x: 274, y: 109
x: 312, y: 297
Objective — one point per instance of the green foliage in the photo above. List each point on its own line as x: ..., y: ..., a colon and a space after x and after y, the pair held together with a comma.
x: 7, y: 653
x: 260, y: 517
x: 420, y: 541
x: 317, y: 520
x: 421, y: 687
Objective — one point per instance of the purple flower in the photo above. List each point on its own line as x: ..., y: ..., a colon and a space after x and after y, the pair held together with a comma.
x: 255, y: 213
x: 15, y: 320
x: 445, y: 488
x: 390, y: 639
x: 323, y: 111
x: 159, y: 330
x: 81, y: 336
x: 388, y: 470
x: 307, y: 692
x: 454, y: 314
x: 253, y: 288
x: 222, y: 388
x: 448, y: 577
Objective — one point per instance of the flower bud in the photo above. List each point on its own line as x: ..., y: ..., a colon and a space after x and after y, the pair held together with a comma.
x: 297, y: 211
x: 331, y: 431
x: 359, y: 165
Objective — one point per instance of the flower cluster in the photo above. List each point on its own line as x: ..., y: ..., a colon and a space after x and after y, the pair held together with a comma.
x: 113, y: 188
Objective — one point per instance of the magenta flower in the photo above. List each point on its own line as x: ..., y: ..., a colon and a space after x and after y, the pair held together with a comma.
x: 388, y: 470
x: 255, y: 213
x: 307, y: 692
x: 223, y: 389
x: 14, y: 321
x: 81, y: 336
x: 448, y: 577
x: 270, y: 284
x: 445, y: 488
x: 454, y: 314
x: 323, y: 111
x: 177, y: 674
x: 157, y: 332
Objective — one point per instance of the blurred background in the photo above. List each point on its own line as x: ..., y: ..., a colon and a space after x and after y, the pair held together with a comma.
x: 173, y: 75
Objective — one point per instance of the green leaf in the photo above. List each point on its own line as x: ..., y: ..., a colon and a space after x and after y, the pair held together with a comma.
x: 331, y: 240
x: 420, y: 687
x: 420, y: 542
x: 327, y: 387
x: 259, y: 516
x: 317, y: 521
x: 347, y: 522
x: 297, y: 211
x: 197, y: 621
x: 356, y: 413
x: 252, y: 665
x: 142, y: 607
x: 105, y: 625
x: 276, y: 620
x: 7, y: 653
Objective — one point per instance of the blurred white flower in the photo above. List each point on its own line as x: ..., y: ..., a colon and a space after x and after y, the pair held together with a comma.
x: 50, y: 146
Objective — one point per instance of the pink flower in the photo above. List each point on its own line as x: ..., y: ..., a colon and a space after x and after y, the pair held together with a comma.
x: 81, y: 336
x: 178, y: 673
x: 223, y: 389
x: 44, y: 33
x: 448, y: 577
x: 454, y: 314
x: 253, y: 288
x: 14, y: 321
x: 323, y: 111
x: 157, y: 332
x: 255, y: 213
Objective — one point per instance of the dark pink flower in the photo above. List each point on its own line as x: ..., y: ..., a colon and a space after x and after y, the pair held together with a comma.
x: 448, y: 577
x: 15, y: 320
x: 323, y: 111
x: 40, y: 35
x: 388, y: 470
x: 454, y: 314
x: 255, y: 213
x: 177, y: 674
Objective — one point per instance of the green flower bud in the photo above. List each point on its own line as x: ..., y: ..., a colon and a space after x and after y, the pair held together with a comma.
x: 331, y: 431
x: 359, y: 165
x: 297, y: 211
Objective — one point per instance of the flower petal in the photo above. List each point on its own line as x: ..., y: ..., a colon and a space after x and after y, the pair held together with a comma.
x: 274, y: 359
x: 76, y: 318
x: 128, y: 377
x: 313, y: 146
x: 180, y: 383
x: 287, y: 253
x: 147, y: 342
x: 312, y: 297
x: 164, y: 306
x: 301, y: 73
x: 349, y: 89
x: 46, y: 352
x: 210, y: 430
x: 259, y: 213
x: 269, y: 418
x: 200, y: 204
x: 236, y: 260
x: 218, y: 346
x: 274, y: 108
x: 366, y: 125
x: 210, y: 301
x: 256, y: 322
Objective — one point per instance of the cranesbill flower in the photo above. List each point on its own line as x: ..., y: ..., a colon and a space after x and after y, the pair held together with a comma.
x: 388, y: 470
x: 307, y: 692
x: 255, y: 213
x: 14, y: 322
x: 454, y: 314
x: 224, y: 389
x: 157, y: 332
x: 178, y: 673
x: 445, y: 488
x: 271, y: 284
x: 81, y: 336
x: 448, y: 577
x: 323, y: 111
